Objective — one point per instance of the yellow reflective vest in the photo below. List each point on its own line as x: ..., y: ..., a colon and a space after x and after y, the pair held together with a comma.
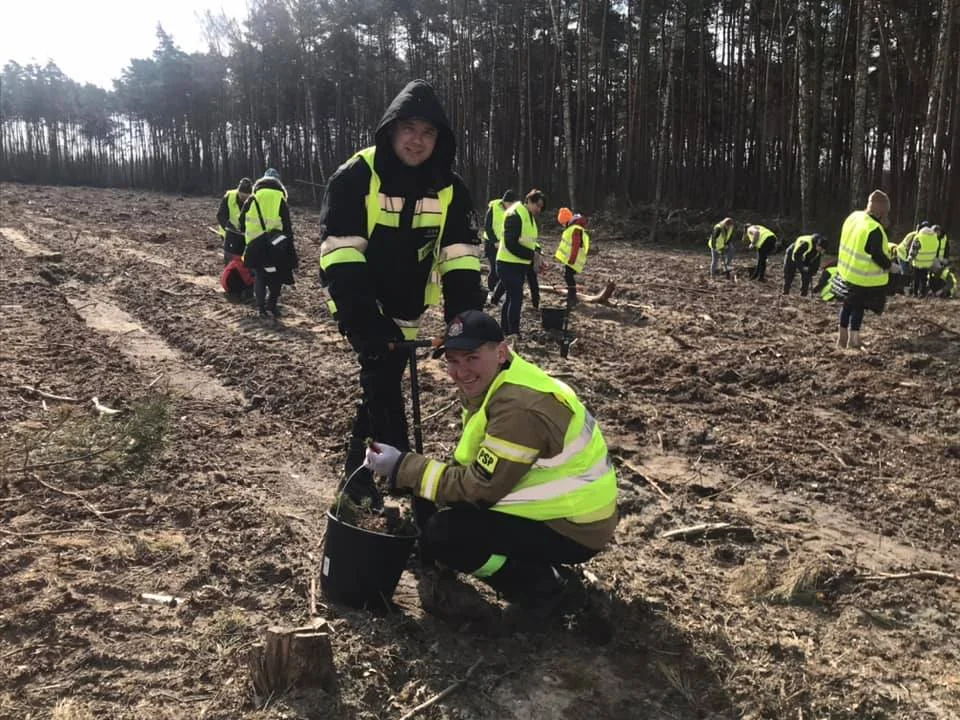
x: 499, y: 215
x: 853, y: 262
x: 566, y: 248
x: 263, y: 214
x: 929, y: 245
x: 528, y: 235
x: 233, y: 206
x: 579, y: 483
x: 723, y: 237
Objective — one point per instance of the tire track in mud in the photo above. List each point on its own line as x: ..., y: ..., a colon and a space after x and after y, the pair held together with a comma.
x: 303, y: 487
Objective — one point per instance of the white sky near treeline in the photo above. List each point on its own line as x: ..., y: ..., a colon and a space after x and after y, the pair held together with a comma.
x: 94, y: 41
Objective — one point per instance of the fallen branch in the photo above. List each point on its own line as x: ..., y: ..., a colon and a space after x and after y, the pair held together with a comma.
x: 944, y: 328
x: 445, y: 692
x: 835, y: 454
x: 739, y: 482
x: 709, y: 530
x: 649, y: 480
x: 924, y: 574
x: 78, y: 496
x: 49, y: 396
x: 103, y: 409
x: 444, y: 409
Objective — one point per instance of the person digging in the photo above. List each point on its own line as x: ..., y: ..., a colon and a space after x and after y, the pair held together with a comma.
x: 530, y: 489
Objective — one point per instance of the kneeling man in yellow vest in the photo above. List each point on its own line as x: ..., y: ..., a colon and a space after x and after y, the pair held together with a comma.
x: 530, y: 487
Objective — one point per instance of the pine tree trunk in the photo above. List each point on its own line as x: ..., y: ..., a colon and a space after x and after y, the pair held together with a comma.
x: 569, y: 141
x: 858, y: 160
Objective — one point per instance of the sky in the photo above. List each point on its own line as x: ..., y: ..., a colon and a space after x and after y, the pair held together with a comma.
x: 94, y: 41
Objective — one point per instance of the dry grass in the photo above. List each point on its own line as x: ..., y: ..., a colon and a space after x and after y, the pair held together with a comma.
x: 797, y: 584
x: 71, y: 709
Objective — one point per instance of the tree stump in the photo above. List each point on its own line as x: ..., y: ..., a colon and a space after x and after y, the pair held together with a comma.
x: 294, y: 658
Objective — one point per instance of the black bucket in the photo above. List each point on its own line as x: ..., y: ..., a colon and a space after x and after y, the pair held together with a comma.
x: 361, y: 568
x: 552, y: 318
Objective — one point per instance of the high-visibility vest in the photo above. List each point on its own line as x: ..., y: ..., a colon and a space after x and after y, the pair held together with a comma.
x: 528, y: 235
x: 579, y: 483
x: 801, y: 246
x: 763, y: 235
x: 566, y: 247
x: 499, y: 215
x: 950, y: 280
x: 943, y: 247
x: 827, y: 292
x: 929, y: 244
x: 723, y: 238
x: 263, y: 213
x: 233, y: 207
x: 853, y: 263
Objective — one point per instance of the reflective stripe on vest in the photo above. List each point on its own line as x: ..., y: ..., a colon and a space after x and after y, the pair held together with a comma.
x: 499, y: 215
x: 429, y: 212
x: 853, y: 263
x: 578, y: 484
x: 268, y: 201
x: 722, y: 239
x: 528, y: 235
x: 929, y: 244
x: 566, y: 247
x: 827, y: 292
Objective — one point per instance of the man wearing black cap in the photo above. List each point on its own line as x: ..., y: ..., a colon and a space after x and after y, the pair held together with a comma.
x: 493, y: 232
x: 399, y: 234
x: 530, y: 487
x: 228, y: 218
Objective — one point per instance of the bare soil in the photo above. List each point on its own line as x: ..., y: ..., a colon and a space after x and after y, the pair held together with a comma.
x: 817, y: 473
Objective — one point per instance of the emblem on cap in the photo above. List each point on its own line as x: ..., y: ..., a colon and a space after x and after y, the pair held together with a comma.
x: 456, y: 328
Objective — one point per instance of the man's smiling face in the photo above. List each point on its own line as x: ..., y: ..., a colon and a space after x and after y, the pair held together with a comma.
x: 473, y: 370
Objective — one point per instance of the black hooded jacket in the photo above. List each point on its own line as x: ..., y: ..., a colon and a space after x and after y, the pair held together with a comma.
x: 397, y: 266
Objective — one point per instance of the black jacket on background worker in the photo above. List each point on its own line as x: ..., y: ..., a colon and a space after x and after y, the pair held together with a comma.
x: 384, y: 256
x: 493, y: 232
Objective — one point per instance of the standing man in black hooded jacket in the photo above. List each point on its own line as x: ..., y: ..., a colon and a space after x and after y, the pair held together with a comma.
x: 398, y: 234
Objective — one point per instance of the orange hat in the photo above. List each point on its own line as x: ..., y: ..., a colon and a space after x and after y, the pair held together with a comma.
x: 564, y: 216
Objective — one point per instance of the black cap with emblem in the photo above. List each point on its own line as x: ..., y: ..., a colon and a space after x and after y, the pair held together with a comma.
x: 469, y: 330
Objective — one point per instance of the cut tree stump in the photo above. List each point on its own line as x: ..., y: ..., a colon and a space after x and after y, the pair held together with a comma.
x: 294, y: 658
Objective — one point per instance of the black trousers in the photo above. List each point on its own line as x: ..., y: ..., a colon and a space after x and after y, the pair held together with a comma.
x: 464, y: 538
x: 570, y: 277
x: 807, y: 272
x: 490, y: 250
x: 920, y: 281
x: 763, y: 252
x: 264, y: 282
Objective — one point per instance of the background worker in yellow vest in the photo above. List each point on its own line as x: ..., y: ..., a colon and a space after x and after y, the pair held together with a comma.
x: 399, y: 234
x: 802, y: 255
x: 493, y: 232
x: 228, y: 218
x: 573, y: 249
x: 943, y: 249
x: 721, y: 247
x: 923, y: 259
x: 764, y: 242
x: 530, y: 487
x: 519, y: 254
x: 943, y: 283
x: 863, y: 265
x: 270, y: 250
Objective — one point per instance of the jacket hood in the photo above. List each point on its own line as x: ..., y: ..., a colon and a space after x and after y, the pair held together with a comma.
x: 418, y: 100
x: 270, y: 183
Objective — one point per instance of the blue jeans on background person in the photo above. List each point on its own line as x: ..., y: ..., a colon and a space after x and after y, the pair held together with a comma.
x: 511, y: 276
x: 715, y: 257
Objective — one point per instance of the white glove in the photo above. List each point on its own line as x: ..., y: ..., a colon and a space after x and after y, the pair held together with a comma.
x: 382, y: 459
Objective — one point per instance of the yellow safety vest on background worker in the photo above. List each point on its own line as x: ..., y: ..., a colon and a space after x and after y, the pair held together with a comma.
x: 566, y: 247
x: 929, y: 244
x: 528, y: 235
x: 233, y: 207
x: 263, y: 215
x: 853, y: 263
x: 722, y: 239
x: 499, y: 215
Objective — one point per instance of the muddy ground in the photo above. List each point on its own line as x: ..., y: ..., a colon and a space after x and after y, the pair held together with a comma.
x: 722, y: 403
